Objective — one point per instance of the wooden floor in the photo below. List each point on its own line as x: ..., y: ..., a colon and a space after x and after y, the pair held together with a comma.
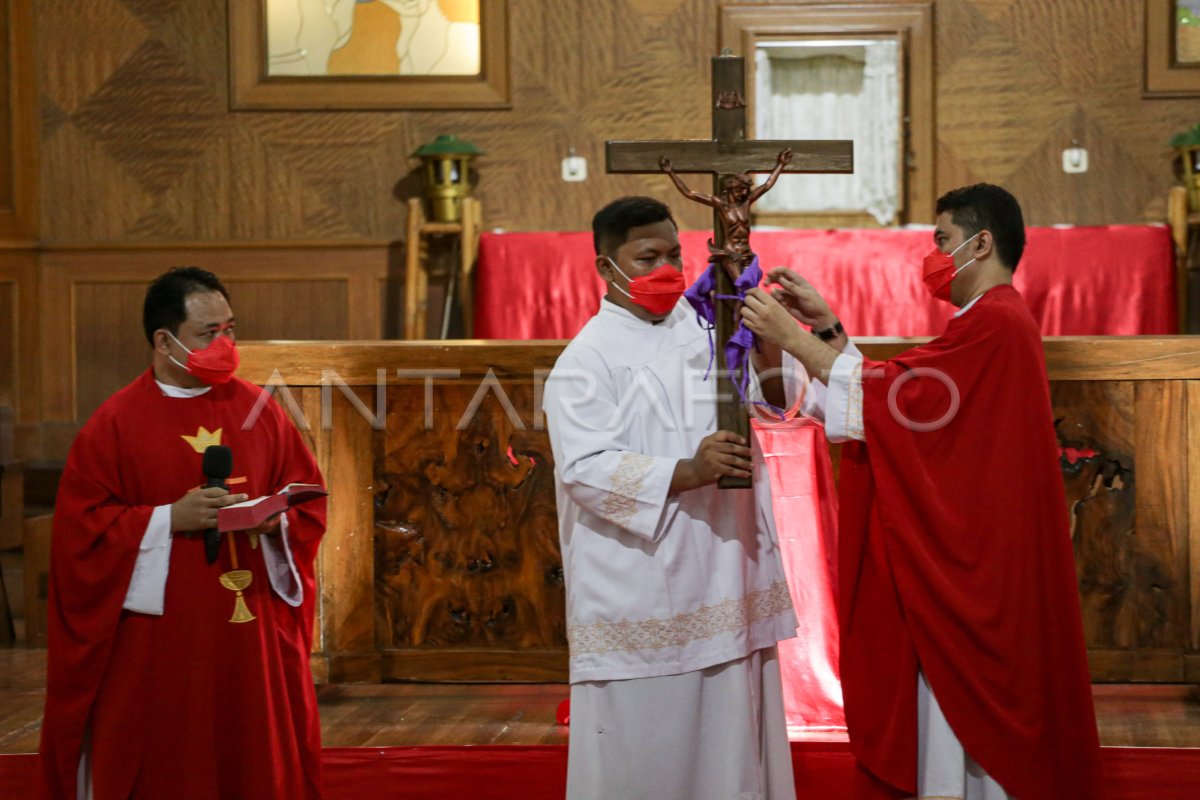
x: 381, y: 715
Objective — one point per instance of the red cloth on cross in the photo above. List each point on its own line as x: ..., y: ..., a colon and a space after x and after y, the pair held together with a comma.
x: 956, y: 559
x: 187, y: 704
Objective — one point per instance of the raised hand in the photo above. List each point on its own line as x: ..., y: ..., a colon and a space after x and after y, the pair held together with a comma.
x: 801, y: 300
x: 197, y: 510
x: 664, y: 164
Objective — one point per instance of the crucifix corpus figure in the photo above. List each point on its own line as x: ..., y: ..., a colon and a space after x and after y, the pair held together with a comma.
x: 732, y: 209
x: 730, y: 158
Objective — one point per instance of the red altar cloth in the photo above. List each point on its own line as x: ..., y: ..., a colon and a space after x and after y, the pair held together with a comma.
x: 1107, y: 280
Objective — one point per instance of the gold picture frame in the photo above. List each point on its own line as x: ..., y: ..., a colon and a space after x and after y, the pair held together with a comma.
x: 251, y: 88
x: 1165, y: 75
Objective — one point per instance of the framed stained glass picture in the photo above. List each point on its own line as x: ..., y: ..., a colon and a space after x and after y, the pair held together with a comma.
x: 368, y: 54
x: 1172, y: 55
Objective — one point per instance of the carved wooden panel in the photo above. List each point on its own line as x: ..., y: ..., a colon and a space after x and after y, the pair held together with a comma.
x: 139, y: 142
x: 1125, y: 465
x: 1095, y: 427
x: 466, y: 541
x: 452, y: 572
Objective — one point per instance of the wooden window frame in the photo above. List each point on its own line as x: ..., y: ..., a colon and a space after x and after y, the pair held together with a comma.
x: 1165, y: 77
x: 742, y: 26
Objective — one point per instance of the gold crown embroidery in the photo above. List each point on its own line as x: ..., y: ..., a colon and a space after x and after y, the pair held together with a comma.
x: 203, y: 439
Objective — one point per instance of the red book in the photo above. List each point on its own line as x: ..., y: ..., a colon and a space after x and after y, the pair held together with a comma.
x: 250, y: 514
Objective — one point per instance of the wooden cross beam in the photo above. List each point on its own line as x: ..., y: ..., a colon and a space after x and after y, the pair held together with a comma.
x: 725, y: 155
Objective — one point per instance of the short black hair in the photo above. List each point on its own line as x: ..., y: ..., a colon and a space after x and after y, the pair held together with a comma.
x: 164, y: 306
x: 985, y: 206
x: 611, y: 225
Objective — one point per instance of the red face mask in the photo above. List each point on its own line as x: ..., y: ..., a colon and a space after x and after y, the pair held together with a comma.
x: 938, y: 271
x: 658, y: 291
x: 214, y: 364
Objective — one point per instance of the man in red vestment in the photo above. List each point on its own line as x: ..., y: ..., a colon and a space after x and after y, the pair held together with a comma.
x: 963, y: 662
x: 167, y: 679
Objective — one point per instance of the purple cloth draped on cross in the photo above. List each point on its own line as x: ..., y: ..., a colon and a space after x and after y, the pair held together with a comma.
x: 703, y: 297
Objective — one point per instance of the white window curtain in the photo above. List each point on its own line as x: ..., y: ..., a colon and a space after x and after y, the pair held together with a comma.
x: 809, y: 92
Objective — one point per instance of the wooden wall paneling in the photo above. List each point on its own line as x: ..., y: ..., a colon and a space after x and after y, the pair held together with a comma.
x: 56, y: 334
x: 18, y: 122
x: 35, y: 564
x: 8, y: 343
x: 296, y: 309
x: 110, y: 347
x: 1161, y: 568
x: 1016, y: 82
x: 91, y: 299
x: 345, y: 641
x: 19, y: 362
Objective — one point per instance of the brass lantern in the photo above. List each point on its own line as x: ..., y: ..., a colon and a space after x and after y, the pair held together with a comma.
x: 1187, y: 144
x: 447, y: 164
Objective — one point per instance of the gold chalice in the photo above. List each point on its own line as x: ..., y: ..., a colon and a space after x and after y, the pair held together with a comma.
x: 235, y: 581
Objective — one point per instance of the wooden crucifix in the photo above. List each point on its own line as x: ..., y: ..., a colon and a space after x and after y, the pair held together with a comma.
x: 729, y: 157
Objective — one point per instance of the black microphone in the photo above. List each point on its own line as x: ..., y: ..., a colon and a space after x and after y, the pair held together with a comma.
x: 216, y: 466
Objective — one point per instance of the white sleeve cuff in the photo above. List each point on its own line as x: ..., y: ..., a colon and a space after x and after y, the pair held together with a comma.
x: 148, y: 586
x: 843, y: 409
x: 281, y: 568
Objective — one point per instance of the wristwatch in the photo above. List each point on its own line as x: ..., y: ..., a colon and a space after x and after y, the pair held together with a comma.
x: 831, y: 332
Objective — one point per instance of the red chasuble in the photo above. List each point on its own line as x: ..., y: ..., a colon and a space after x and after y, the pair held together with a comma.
x: 956, y: 559
x: 187, y: 704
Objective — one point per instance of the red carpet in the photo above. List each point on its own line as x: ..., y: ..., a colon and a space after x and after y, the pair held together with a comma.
x: 519, y: 772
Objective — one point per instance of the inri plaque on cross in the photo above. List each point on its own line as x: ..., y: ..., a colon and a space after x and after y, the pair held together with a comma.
x: 729, y: 156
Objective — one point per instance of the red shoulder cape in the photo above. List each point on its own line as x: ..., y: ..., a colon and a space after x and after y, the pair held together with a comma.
x: 956, y: 559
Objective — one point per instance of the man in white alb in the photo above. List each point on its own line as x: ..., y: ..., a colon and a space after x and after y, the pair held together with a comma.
x: 676, y: 594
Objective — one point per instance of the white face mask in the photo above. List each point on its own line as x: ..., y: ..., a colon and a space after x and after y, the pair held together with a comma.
x: 960, y: 247
x: 181, y: 344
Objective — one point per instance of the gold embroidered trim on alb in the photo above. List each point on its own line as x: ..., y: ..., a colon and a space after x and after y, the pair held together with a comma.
x: 705, y: 622
x: 627, y: 484
x: 854, y: 404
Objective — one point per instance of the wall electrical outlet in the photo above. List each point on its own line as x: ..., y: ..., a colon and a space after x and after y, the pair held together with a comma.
x: 1075, y: 160
x: 574, y: 168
